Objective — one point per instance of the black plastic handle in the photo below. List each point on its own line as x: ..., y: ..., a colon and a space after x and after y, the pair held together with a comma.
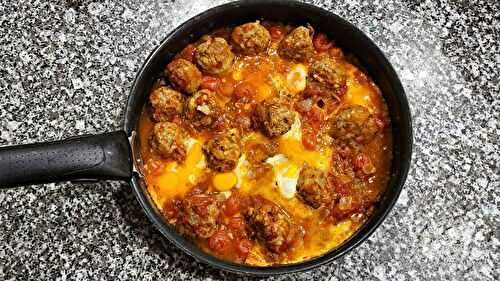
x: 83, y: 158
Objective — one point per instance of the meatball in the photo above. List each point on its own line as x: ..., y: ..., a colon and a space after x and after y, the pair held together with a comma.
x: 312, y: 187
x: 251, y: 38
x: 167, y: 103
x: 203, y: 109
x: 297, y: 45
x: 168, y: 140
x: 184, y: 75
x: 198, y: 215
x: 354, y: 125
x: 274, y: 118
x: 223, y: 151
x: 328, y: 72
x: 269, y: 224
x: 214, y: 56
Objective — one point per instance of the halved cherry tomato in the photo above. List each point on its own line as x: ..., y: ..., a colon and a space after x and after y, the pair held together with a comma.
x: 360, y: 161
x: 321, y: 42
x: 210, y: 83
x: 276, y: 32
x: 220, y: 242
x: 244, y: 89
x: 226, y: 87
x: 309, y: 140
x: 232, y: 205
x: 171, y: 208
x: 236, y: 223
x: 188, y: 52
x: 243, y: 248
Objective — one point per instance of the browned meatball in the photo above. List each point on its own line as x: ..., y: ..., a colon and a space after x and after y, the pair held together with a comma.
x: 274, y: 118
x: 312, y: 187
x: 203, y: 109
x: 328, y: 72
x: 167, y: 103
x: 269, y: 224
x: 168, y: 140
x: 198, y: 215
x: 214, y: 56
x: 184, y: 75
x: 354, y: 124
x: 223, y: 151
x: 298, y: 44
x: 251, y: 38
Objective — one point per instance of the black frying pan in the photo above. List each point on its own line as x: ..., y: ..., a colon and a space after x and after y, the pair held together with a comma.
x: 111, y: 156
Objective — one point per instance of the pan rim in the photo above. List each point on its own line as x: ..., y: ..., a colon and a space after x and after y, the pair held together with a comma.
x: 354, y: 241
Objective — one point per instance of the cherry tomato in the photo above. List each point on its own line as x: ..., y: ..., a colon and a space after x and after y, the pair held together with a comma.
x: 232, y: 205
x: 244, y: 89
x: 220, y: 242
x: 243, y: 248
x: 276, y: 32
x: 226, y: 87
x: 236, y: 223
x: 200, y: 203
x: 309, y: 140
x: 210, y: 83
x: 172, y: 207
x: 321, y: 42
x: 360, y: 161
x: 188, y: 52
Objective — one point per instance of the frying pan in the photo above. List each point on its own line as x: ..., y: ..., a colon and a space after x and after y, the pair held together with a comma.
x: 114, y: 156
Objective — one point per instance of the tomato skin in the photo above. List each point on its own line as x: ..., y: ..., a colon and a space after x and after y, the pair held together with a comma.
x: 232, y: 205
x: 220, y: 242
x: 244, y: 89
x: 188, y: 52
x: 309, y: 140
x: 243, y: 247
x: 172, y: 207
x: 225, y: 87
x: 321, y: 42
x: 360, y: 161
x: 209, y: 83
x: 276, y: 32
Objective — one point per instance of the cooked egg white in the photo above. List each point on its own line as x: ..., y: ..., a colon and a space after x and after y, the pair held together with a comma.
x: 296, y: 78
x: 286, y: 174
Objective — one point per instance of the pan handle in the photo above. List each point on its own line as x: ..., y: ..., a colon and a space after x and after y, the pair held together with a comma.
x: 82, y: 158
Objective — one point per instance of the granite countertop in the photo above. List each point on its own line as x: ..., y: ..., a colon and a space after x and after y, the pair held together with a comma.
x: 66, y: 68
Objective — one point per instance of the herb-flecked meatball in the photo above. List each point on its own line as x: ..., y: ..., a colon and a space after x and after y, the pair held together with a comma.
x: 184, y: 75
x: 203, y: 109
x: 312, y: 187
x: 168, y: 140
x: 251, y: 38
x: 274, y: 118
x: 214, y: 56
x: 167, y: 103
x: 223, y: 151
x: 354, y: 123
x: 268, y: 223
x: 329, y: 72
x: 198, y: 215
x: 298, y: 44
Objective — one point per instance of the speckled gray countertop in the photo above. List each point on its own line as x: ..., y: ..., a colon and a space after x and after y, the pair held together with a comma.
x: 66, y: 67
